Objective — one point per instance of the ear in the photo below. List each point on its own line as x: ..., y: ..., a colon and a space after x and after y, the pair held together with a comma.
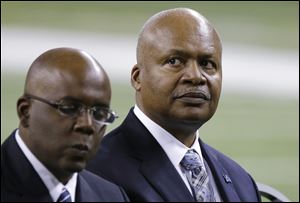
x: 23, y: 106
x: 135, y: 77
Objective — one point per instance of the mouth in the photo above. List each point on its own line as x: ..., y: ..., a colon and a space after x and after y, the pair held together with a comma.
x: 193, y: 97
x: 80, y: 150
x: 81, y: 147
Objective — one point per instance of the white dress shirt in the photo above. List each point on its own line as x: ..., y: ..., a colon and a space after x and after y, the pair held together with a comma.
x: 54, y: 186
x: 174, y: 149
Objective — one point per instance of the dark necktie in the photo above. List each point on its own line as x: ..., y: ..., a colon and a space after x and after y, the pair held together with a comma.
x: 65, y: 196
x: 197, y: 177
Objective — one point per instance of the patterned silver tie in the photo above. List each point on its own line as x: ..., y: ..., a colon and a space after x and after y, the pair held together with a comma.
x: 197, y: 177
x: 65, y: 196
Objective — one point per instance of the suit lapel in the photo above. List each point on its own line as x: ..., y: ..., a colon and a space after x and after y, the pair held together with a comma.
x: 165, y: 179
x: 84, y: 193
x: 221, y: 176
x: 155, y: 164
x: 23, y: 178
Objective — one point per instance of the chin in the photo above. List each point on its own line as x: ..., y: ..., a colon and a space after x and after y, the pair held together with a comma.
x: 195, y: 116
x: 76, y: 167
x: 194, y: 120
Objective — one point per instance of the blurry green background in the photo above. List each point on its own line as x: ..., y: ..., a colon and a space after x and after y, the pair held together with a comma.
x: 258, y: 131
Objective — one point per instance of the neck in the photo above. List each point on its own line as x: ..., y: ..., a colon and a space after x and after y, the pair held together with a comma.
x: 186, y: 138
x: 64, y: 179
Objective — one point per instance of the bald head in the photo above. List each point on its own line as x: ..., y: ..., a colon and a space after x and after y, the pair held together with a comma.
x: 61, y: 64
x: 172, y: 24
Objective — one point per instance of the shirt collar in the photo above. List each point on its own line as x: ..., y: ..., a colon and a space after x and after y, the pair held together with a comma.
x: 174, y: 149
x: 52, y: 183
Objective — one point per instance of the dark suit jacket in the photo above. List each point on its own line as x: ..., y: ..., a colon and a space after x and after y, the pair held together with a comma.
x: 132, y: 158
x: 21, y: 183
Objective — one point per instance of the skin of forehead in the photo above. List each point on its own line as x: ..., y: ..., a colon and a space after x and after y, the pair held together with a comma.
x: 179, y: 22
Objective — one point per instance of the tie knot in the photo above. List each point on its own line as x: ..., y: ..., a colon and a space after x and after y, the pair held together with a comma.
x: 191, y: 160
x: 65, y: 196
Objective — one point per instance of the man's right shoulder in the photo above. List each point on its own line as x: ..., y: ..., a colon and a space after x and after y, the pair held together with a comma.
x: 113, y: 140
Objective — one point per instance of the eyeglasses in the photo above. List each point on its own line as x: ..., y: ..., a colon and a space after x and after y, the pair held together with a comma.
x: 102, y: 115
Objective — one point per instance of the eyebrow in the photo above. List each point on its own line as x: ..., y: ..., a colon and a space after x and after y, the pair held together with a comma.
x: 207, y: 54
x: 210, y: 54
x: 178, y: 52
x: 69, y: 98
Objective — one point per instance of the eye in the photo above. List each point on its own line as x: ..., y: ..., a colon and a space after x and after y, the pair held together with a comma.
x: 69, y: 108
x: 207, y: 64
x: 175, y: 62
x: 100, y: 113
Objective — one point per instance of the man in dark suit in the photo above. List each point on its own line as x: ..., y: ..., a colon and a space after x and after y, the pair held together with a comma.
x: 156, y: 153
x: 63, y: 116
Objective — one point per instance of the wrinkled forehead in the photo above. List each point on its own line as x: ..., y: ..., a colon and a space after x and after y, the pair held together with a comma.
x: 194, y: 42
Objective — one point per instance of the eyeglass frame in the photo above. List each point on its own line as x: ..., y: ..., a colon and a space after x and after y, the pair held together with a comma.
x: 56, y: 105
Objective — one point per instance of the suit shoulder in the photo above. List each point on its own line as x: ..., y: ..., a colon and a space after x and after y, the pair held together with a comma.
x: 104, y: 189
x: 95, y: 179
x: 114, y: 142
x: 113, y: 136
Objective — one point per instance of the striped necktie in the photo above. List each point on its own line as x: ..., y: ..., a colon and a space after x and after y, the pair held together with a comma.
x: 65, y: 196
x: 197, y: 177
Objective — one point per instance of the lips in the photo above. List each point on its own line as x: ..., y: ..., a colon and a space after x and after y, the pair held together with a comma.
x: 79, y: 152
x: 193, y: 96
x: 81, y: 147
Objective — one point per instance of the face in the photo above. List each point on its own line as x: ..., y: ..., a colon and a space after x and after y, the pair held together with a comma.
x: 178, y: 82
x: 64, y: 144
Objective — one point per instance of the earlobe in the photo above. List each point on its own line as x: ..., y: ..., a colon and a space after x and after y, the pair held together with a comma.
x: 23, y: 106
x: 135, y: 77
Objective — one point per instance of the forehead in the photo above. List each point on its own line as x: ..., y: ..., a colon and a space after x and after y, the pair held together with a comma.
x: 88, y: 85
x: 92, y: 85
x: 190, y: 34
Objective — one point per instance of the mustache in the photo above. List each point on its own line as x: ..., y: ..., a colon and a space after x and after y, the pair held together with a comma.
x: 81, y: 146
x: 193, y: 92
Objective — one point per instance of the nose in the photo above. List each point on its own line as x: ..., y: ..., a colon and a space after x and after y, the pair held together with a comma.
x: 84, y: 123
x: 193, y: 74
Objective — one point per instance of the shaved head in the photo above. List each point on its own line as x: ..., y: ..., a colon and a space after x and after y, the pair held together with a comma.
x: 61, y: 63
x: 179, y: 21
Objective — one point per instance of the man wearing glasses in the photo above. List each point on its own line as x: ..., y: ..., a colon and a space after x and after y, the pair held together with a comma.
x: 63, y: 116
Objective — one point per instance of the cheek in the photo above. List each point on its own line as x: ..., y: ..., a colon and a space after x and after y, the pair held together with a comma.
x: 158, y: 84
x: 155, y: 92
x: 96, y: 141
x: 99, y: 136
x: 157, y: 88
x: 215, y: 86
x: 49, y: 125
